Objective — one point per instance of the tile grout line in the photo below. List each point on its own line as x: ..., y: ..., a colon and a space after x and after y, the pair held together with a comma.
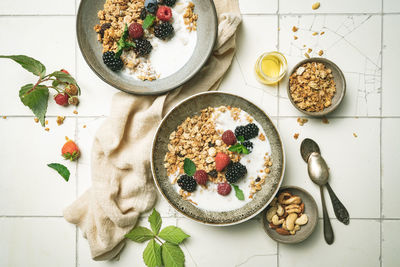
x: 76, y: 139
x: 278, y: 108
x: 380, y: 147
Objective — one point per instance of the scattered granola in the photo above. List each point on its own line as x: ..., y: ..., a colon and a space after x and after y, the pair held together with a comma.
x: 84, y: 126
x: 190, y: 18
x: 325, y: 120
x: 322, y: 33
x: 309, y: 50
x: 296, y: 136
x: 355, y: 135
x: 46, y: 122
x: 75, y: 111
x: 306, y: 55
x: 36, y: 120
x: 320, y: 53
x: 295, y: 29
x: 60, y: 120
x: 302, y: 121
x: 315, y: 33
x: 295, y: 37
x: 47, y: 129
x: 312, y: 89
x: 4, y: 117
x: 316, y: 5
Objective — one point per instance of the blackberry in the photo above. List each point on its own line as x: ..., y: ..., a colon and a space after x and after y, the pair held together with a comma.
x: 213, y: 173
x: 113, y: 63
x: 143, y: 47
x: 249, y: 131
x: 187, y: 183
x: 235, y: 171
x: 169, y: 2
x: 151, y: 6
x: 163, y: 30
x: 248, y: 145
x: 143, y: 14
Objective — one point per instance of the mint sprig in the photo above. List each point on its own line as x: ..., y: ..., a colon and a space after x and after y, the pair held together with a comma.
x: 61, y: 169
x: 189, y: 167
x: 123, y: 43
x: 36, y: 96
x: 239, y: 147
x: 157, y: 252
x: 238, y: 192
x: 148, y: 21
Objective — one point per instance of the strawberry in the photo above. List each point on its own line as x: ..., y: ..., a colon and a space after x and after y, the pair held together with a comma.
x: 201, y: 177
x: 66, y: 72
x: 70, y: 150
x: 221, y: 161
x: 229, y: 137
x: 224, y: 189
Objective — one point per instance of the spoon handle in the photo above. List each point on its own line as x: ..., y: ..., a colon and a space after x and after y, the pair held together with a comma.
x: 328, y: 231
x: 340, y: 210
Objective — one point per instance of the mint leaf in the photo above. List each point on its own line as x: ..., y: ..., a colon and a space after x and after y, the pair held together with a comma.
x: 172, y: 255
x: 122, y: 43
x: 155, y: 221
x: 239, y: 148
x: 140, y: 234
x: 36, y: 99
x: 152, y: 254
x: 173, y: 234
x: 240, y: 138
x: 61, y: 169
x: 148, y: 21
x: 189, y: 167
x: 238, y: 192
x: 30, y: 64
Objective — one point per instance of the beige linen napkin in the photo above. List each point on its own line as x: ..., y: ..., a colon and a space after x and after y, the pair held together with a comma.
x: 122, y: 186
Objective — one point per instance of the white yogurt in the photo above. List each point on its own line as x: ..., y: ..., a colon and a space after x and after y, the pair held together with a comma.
x: 209, y: 199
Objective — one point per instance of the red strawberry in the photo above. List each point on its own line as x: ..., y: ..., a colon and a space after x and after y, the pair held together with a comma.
x: 135, y: 30
x: 224, y: 189
x: 229, y: 137
x: 61, y: 99
x: 70, y: 150
x: 64, y: 71
x: 201, y: 177
x: 164, y: 13
x: 221, y: 161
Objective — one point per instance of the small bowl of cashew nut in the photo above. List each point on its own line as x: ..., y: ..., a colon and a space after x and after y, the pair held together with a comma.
x: 291, y: 216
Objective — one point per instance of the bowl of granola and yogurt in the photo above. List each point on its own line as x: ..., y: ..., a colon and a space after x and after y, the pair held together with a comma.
x: 146, y: 46
x: 217, y: 158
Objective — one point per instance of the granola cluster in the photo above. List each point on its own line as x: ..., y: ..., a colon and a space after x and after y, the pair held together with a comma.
x: 255, y: 184
x: 190, y: 18
x: 312, y: 87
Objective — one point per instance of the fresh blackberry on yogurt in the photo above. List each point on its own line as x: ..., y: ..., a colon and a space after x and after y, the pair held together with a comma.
x: 248, y: 145
x: 169, y: 2
x: 235, y: 171
x: 248, y: 131
x: 113, y: 63
x: 151, y: 6
x: 143, y: 47
x: 163, y: 30
x: 187, y: 183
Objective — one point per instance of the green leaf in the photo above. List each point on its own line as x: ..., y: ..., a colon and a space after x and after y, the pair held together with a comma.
x: 172, y: 255
x: 239, y: 148
x: 152, y: 254
x: 173, y: 234
x: 30, y: 64
x: 140, y: 234
x: 63, y: 77
x: 155, y: 221
x: 189, y: 167
x: 238, y: 192
x: 61, y: 169
x: 148, y: 21
x: 122, y: 43
x: 240, y: 138
x: 36, y: 99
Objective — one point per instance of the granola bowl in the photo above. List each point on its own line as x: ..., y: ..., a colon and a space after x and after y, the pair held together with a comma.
x: 338, y: 80
x: 198, y: 118
x: 175, y: 68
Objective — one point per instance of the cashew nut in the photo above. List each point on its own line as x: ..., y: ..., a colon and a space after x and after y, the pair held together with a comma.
x: 297, y: 227
x: 271, y: 212
x: 276, y: 221
x: 302, y: 220
x: 292, y: 200
x: 293, y: 208
x: 291, y: 218
x: 280, y: 210
x: 282, y: 196
x: 284, y: 225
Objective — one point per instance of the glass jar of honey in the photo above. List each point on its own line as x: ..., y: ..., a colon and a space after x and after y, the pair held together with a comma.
x: 270, y: 67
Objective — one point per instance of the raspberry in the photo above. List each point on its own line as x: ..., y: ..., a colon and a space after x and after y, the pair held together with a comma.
x: 229, y: 137
x: 163, y: 30
x: 221, y: 161
x: 201, y: 177
x: 61, y: 99
x: 164, y: 13
x: 187, y: 183
x: 115, y: 64
x: 224, y: 189
x: 135, y: 30
x: 235, y: 171
x: 143, y: 47
x: 66, y: 72
x: 249, y: 131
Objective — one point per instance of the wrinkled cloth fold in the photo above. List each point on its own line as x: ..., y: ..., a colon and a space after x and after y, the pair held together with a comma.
x: 122, y: 186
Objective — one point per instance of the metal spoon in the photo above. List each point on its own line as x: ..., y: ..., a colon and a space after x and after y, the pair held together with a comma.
x: 318, y: 172
x: 308, y: 146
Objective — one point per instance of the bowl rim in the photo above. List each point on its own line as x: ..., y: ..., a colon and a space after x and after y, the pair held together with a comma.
x: 183, y: 81
x: 293, y: 241
x: 334, y: 105
x: 176, y: 208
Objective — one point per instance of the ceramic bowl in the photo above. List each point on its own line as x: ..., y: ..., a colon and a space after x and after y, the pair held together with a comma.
x: 339, y: 79
x: 310, y: 208
x: 92, y: 50
x: 190, y: 107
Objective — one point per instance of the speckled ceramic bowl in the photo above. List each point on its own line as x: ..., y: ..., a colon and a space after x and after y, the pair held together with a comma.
x: 339, y: 79
x: 92, y: 50
x: 190, y: 107
x: 310, y: 208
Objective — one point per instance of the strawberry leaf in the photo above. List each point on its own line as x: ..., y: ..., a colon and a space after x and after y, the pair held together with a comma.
x: 35, y: 99
x: 238, y: 192
x: 140, y: 234
x: 152, y: 254
x: 189, y: 167
x: 173, y: 234
x: 155, y: 221
x: 30, y: 64
x: 172, y: 255
x: 61, y: 169
x: 148, y: 21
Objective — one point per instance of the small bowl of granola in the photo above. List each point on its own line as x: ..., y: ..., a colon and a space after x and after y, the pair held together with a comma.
x: 291, y: 216
x: 316, y: 86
